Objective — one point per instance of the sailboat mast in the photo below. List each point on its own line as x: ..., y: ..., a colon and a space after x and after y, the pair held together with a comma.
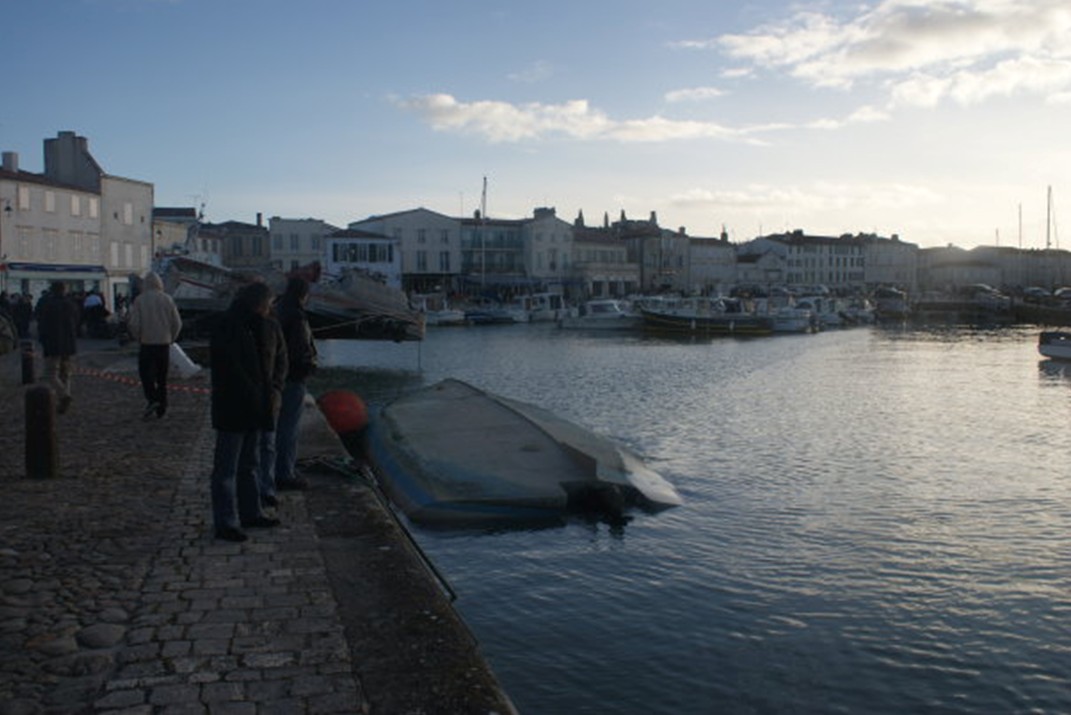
x: 483, y: 240
x: 1048, y: 221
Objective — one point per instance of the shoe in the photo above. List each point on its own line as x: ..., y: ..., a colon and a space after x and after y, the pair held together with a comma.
x: 291, y: 485
x: 229, y: 533
x: 269, y: 501
x: 260, y: 522
x: 150, y: 410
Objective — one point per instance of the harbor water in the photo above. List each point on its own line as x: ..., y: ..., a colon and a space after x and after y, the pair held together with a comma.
x: 875, y: 520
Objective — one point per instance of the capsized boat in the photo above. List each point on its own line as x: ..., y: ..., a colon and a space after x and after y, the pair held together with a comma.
x: 454, y: 455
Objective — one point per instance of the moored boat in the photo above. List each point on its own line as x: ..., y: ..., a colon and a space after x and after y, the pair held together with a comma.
x: 453, y: 455
x: 603, y: 314
x: 1055, y: 344
x: 705, y: 316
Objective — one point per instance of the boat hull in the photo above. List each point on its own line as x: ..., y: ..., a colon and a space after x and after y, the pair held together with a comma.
x: 724, y: 324
x: 1055, y: 345
x: 453, y: 455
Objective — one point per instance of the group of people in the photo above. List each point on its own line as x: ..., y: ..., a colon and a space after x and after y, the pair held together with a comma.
x: 261, y: 354
x: 259, y: 363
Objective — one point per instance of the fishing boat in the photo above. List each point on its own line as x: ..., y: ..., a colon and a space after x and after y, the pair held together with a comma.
x: 704, y: 316
x: 603, y: 314
x: 454, y: 455
x: 1055, y: 344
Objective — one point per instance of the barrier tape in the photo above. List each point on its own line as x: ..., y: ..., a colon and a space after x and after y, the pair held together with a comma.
x: 134, y: 382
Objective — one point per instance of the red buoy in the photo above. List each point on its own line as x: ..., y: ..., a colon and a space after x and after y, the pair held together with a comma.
x: 345, y: 411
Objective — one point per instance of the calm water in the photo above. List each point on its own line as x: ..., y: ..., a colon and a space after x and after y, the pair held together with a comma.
x: 876, y: 521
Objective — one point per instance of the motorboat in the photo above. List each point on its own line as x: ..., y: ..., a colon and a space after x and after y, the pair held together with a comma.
x: 704, y: 316
x: 603, y: 314
x: 453, y: 455
x: 794, y: 319
x: 1055, y: 344
x: 436, y: 309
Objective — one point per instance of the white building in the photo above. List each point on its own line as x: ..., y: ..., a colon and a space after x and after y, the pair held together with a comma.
x: 372, y: 253
x: 72, y: 223
x: 429, y: 244
x: 548, y: 247
x: 297, y: 241
x: 711, y: 265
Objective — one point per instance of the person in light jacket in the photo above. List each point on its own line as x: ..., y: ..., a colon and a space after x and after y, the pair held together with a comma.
x: 155, y: 323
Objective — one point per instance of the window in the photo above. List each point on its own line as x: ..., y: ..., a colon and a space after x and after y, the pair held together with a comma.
x: 422, y: 261
x: 50, y: 201
x: 128, y: 255
x: 128, y: 214
x: 444, y: 261
x: 295, y: 242
x: 94, y: 207
x: 276, y: 242
x: 76, y: 205
x: 257, y: 248
x: 113, y: 253
x: 444, y: 235
x: 315, y: 241
x: 421, y: 235
x: 24, y: 197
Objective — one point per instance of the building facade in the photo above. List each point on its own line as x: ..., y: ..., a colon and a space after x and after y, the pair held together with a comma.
x: 372, y: 253
x: 429, y: 244
x: 73, y: 223
x: 297, y: 242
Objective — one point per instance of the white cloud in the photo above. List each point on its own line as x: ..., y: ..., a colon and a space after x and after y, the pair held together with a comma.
x: 820, y: 196
x: 693, y: 94
x: 504, y: 122
x: 927, y: 51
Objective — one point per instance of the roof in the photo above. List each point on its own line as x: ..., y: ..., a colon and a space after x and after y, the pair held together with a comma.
x: 29, y: 177
x: 357, y: 233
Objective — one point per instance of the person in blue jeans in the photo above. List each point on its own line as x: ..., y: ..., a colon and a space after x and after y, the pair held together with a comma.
x: 244, y: 399
x: 301, y: 362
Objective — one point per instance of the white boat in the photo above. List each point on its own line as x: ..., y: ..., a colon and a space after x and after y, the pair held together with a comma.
x: 603, y: 314
x: 1055, y: 344
x: 545, y: 307
x: 795, y: 319
x: 453, y: 455
x: 437, y: 310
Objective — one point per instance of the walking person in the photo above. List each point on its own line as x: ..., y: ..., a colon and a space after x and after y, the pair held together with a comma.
x: 155, y: 323
x: 242, y: 360
x: 57, y: 330
x: 301, y: 353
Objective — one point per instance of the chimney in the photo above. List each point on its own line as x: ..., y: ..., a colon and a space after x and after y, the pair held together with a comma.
x: 11, y: 161
x: 260, y: 219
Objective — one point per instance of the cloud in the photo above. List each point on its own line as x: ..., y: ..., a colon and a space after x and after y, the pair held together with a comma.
x: 820, y: 196
x: 693, y: 94
x: 504, y: 122
x: 924, y: 51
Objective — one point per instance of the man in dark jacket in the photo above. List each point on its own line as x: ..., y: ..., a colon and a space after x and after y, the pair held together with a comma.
x: 244, y: 400
x: 301, y: 354
x: 57, y: 329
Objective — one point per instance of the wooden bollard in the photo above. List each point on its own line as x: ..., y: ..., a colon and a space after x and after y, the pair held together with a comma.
x: 27, y: 362
x: 42, y: 456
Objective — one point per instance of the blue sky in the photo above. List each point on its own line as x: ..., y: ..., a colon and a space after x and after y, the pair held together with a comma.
x: 937, y: 120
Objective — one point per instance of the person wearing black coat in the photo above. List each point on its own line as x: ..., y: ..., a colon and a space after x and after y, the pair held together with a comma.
x: 245, y: 396
x: 57, y: 329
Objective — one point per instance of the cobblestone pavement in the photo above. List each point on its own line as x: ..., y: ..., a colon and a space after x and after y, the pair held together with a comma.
x: 115, y: 598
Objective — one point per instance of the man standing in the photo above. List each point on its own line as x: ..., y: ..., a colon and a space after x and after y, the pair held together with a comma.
x: 301, y: 353
x: 155, y: 323
x: 57, y: 329
x: 243, y: 397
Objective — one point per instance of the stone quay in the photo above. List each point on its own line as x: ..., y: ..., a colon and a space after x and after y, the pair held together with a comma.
x: 115, y: 597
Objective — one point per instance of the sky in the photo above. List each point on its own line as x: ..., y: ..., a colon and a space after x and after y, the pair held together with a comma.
x: 940, y: 121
